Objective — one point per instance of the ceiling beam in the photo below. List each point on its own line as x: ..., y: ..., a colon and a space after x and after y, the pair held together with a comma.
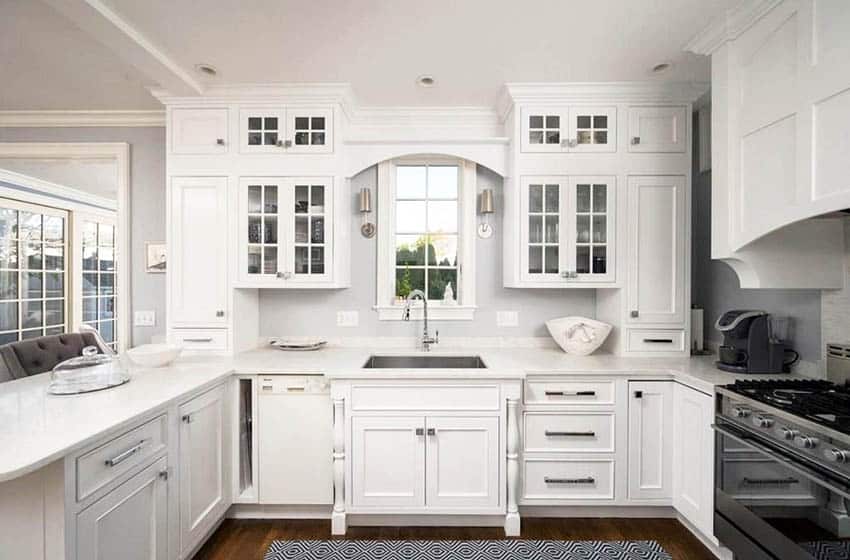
x: 120, y: 36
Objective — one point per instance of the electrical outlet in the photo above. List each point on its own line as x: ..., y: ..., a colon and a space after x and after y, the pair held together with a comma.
x: 347, y: 318
x: 507, y: 319
x: 144, y: 318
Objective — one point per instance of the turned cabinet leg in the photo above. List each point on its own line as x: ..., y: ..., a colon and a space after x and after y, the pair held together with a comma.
x: 512, y: 520
x: 338, y: 524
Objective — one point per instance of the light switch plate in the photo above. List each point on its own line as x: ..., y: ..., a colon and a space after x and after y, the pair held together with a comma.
x: 144, y: 318
x: 347, y: 318
x: 507, y: 318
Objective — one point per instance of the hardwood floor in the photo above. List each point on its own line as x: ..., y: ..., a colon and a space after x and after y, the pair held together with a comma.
x: 249, y: 539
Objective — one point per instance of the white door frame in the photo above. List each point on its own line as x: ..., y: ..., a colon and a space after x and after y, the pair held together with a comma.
x: 120, y: 153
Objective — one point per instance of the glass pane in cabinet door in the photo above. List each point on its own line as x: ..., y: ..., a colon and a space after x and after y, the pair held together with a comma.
x: 600, y: 260
x: 8, y: 316
x: 583, y: 259
x: 600, y: 121
x: 582, y: 198
x: 535, y: 259
x: 255, y: 228
x: 439, y: 280
x: 317, y: 199
x: 535, y: 198
x: 600, y: 227
x: 552, y: 198
x: 301, y: 202
x: 583, y: 121
x: 301, y: 235
x: 583, y: 229
x: 301, y: 260
x: 317, y: 138
x: 583, y: 137
x: 600, y: 137
x: 553, y: 137
x: 270, y: 123
x: 535, y: 121
x: 254, y: 258
x: 270, y: 201
x: 270, y: 229
x: 317, y: 230
x: 535, y: 137
x: 552, y: 264
x: 535, y: 229
x: 317, y: 123
x: 255, y: 138
x: 270, y: 138
x: 317, y: 260
x: 600, y: 198
x: 269, y: 260
x: 255, y: 123
x: 9, y: 284
x: 552, y: 227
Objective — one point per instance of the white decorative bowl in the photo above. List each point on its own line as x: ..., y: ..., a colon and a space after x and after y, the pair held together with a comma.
x: 154, y: 355
x: 578, y: 335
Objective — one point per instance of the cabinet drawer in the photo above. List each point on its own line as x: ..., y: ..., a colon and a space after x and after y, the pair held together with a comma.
x: 201, y: 339
x: 585, y: 432
x: 541, y: 391
x: 106, y: 463
x: 568, y: 480
x: 645, y: 340
x: 764, y: 481
x: 425, y: 397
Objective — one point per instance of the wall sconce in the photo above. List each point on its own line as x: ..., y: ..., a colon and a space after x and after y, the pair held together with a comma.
x: 367, y: 229
x: 485, y: 208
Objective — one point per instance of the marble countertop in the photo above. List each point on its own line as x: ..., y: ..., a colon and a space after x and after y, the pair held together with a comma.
x: 37, y: 428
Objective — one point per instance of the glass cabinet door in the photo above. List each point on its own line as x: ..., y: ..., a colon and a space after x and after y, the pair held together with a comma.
x: 542, y: 210
x: 544, y: 129
x: 591, y: 209
x: 309, y: 130
x: 593, y: 129
x: 262, y: 228
x: 310, y: 245
x: 262, y: 130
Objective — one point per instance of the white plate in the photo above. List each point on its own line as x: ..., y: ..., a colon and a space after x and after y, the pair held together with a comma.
x: 299, y: 344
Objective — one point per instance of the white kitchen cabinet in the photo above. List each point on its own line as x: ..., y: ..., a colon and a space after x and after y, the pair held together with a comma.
x: 388, y: 462
x: 197, y: 248
x: 658, y: 129
x: 657, y: 244
x: 286, y: 232
x: 130, y: 522
x: 569, y: 129
x: 693, y: 457
x: 203, y: 488
x: 567, y: 230
x: 199, y: 131
x: 286, y: 130
x: 650, y: 440
x: 462, y: 462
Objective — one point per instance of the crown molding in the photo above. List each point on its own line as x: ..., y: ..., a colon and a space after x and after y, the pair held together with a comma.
x: 60, y: 119
x: 729, y: 26
x: 286, y: 93
x: 600, y: 92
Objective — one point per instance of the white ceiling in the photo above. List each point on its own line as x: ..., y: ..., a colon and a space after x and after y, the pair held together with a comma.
x: 471, y: 47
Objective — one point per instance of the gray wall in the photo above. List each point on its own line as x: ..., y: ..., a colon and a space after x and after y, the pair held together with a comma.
x: 313, y: 312
x: 715, y: 286
x: 147, y: 201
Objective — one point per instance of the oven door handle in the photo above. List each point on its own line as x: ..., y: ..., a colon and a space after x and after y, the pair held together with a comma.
x: 795, y: 465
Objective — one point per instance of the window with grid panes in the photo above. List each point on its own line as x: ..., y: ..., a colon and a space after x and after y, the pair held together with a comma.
x: 99, y: 279
x: 33, y: 279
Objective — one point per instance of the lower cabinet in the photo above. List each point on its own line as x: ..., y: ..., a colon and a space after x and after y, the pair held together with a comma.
x: 414, y: 462
x: 130, y: 522
x: 650, y: 440
x: 203, y: 488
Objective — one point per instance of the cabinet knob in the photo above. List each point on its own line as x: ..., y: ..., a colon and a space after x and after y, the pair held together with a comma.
x: 634, y: 313
x: 420, y: 431
x: 280, y: 144
x: 219, y: 141
x: 219, y: 313
x: 635, y: 140
x: 187, y: 418
x: 287, y: 143
x: 284, y: 275
x: 432, y: 432
x: 163, y: 474
x: 638, y: 394
x: 572, y: 142
x: 569, y: 274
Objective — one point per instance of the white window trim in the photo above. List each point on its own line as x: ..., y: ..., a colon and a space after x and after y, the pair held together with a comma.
x: 386, y: 305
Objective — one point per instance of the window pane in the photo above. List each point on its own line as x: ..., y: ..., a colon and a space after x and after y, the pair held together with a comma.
x: 54, y: 312
x: 105, y: 308
x: 30, y: 226
x: 442, y: 250
x: 410, y: 250
x: 31, y: 285
x: 89, y: 309
x: 410, y: 181
x: 32, y: 315
x: 442, y: 181
x: 439, y: 280
x: 107, y: 258
x: 8, y: 316
x: 89, y: 257
x: 407, y: 280
x: 89, y: 283
x: 442, y: 216
x: 6, y: 338
x: 8, y: 254
x: 107, y: 330
x: 55, y: 330
x: 54, y: 257
x: 54, y: 228
x: 107, y: 284
x: 31, y: 334
x: 90, y: 233
x: 8, y: 223
x: 33, y: 256
x: 410, y: 217
x: 54, y: 284
x: 8, y: 284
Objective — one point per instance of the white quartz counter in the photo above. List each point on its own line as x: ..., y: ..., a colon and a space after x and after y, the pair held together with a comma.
x: 37, y: 428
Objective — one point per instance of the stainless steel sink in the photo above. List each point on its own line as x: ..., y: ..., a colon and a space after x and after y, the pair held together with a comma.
x: 425, y: 362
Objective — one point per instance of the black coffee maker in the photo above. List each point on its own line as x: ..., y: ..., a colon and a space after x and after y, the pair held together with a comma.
x: 749, y: 346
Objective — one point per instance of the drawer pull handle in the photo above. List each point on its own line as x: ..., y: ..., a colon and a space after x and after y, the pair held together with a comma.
x: 569, y: 434
x: 267, y: 387
x: 300, y: 389
x: 219, y: 141
x: 420, y: 431
x: 207, y: 339
x: 770, y: 481
x: 588, y: 480
x: 431, y: 431
x: 121, y: 457
x: 658, y: 340
x: 570, y: 393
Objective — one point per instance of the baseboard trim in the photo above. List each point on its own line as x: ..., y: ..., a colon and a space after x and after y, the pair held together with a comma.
x: 709, y: 542
x: 617, y: 512
x: 259, y: 511
x: 426, y: 520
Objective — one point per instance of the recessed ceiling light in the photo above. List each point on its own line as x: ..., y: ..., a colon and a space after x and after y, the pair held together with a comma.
x: 661, y: 67
x: 426, y: 80
x: 207, y: 69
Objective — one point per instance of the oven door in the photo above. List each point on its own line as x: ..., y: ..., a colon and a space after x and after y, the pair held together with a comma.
x: 772, y: 504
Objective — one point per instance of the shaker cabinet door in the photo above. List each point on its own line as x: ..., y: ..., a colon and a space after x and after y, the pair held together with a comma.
x: 650, y: 440
x: 199, y: 131
x: 658, y: 129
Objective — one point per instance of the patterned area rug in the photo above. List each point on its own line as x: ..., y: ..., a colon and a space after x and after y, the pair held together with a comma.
x: 465, y: 550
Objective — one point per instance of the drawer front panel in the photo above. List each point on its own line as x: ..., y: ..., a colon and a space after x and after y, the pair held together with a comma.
x: 425, y: 397
x: 566, y: 432
x: 568, y: 480
x: 764, y: 481
x: 106, y: 463
x: 656, y: 340
x: 201, y: 339
x: 556, y: 392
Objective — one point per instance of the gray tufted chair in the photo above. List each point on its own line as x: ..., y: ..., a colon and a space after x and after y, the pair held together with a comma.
x: 37, y: 355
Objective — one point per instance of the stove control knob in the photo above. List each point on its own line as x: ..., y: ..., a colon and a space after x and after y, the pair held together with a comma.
x: 837, y: 455
x: 788, y: 433
x: 741, y: 412
x: 762, y: 421
x: 806, y: 442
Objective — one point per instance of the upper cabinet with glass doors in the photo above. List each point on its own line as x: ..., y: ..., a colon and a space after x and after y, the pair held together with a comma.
x: 569, y: 129
x: 286, y: 232
x: 567, y: 233
x: 297, y: 130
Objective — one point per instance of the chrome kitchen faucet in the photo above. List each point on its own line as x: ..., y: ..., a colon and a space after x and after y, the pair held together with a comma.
x: 427, y: 341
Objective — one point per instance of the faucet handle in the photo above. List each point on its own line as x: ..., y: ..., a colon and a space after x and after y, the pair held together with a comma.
x: 405, y: 315
x: 436, y: 337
